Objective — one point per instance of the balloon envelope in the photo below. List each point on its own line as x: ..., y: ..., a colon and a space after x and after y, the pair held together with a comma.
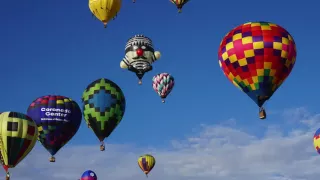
x: 103, y: 106
x: 89, y: 175
x: 58, y: 119
x: 18, y: 135
x: 316, y: 141
x: 105, y: 10
x: 146, y: 163
x: 179, y: 3
x: 257, y: 57
x: 163, y: 84
x: 139, y: 55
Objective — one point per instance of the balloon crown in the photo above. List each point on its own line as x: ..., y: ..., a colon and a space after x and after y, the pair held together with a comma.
x: 139, y: 40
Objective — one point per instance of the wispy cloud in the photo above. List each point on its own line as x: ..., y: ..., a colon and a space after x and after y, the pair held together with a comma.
x: 215, y: 152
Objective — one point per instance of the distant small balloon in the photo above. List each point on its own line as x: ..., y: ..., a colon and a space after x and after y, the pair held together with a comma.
x: 89, y: 175
x: 146, y: 163
x: 179, y: 4
x: 316, y: 141
x: 163, y: 84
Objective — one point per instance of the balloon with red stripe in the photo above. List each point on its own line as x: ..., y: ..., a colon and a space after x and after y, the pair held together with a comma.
x: 146, y: 163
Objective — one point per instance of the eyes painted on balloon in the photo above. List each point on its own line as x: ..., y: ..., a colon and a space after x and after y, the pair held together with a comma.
x: 143, y: 47
x: 137, y: 47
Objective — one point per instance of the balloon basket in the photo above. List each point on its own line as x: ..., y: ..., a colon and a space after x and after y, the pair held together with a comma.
x: 163, y: 101
x: 102, y: 148
x: 7, y: 176
x: 140, y: 82
x: 262, y: 114
x: 52, y: 159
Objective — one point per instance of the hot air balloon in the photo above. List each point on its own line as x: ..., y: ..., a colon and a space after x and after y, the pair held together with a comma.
x: 316, y: 140
x: 139, y: 56
x: 163, y: 84
x: 179, y: 4
x: 257, y: 57
x: 146, y: 163
x: 89, y: 175
x: 105, y: 10
x: 58, y: 119
x: 103, y: 107
x: 18, y: 135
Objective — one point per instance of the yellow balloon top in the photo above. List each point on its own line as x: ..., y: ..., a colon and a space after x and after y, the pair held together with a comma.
x: 105, y: 10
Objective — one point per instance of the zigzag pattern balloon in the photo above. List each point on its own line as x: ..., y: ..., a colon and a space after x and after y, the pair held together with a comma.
x: 163, y: 84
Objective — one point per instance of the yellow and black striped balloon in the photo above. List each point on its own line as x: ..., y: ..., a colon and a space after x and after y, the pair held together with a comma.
x: 18, y: 135
x: 146, y: 163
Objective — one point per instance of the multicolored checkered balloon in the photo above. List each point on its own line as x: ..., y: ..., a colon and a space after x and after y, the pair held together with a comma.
x: 163, y: 84
x: 257, y: 57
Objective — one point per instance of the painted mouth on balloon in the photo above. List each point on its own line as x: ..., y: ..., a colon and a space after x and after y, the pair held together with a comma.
x: 140, y: 65
x: 139, y: 57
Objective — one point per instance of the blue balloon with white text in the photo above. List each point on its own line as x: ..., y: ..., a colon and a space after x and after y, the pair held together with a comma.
x: 58, y: 119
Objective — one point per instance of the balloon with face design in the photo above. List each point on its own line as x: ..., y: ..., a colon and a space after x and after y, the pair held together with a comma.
x: 139, y: 56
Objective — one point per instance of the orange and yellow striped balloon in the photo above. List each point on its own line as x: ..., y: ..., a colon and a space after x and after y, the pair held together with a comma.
x: 146, y: 163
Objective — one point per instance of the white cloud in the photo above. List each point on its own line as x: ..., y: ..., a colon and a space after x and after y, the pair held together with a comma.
x: 216, y: 152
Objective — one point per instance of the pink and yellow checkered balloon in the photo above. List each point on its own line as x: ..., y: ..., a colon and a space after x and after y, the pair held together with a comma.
x: 257, y: 57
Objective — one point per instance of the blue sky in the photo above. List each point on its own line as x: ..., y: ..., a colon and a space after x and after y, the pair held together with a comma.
x: 55, y: 47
